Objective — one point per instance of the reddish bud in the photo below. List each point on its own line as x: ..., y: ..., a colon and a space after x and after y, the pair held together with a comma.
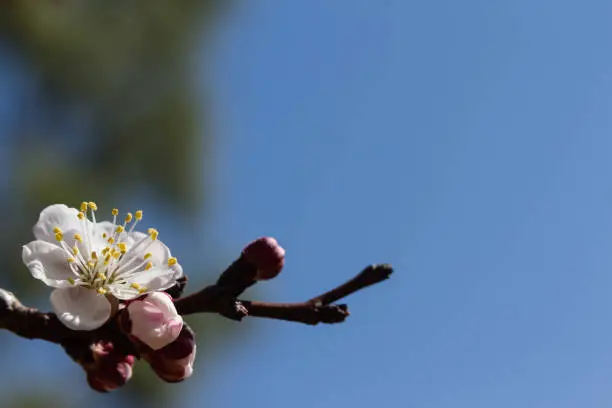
x: 267, y: 255
x: 109, y: 370
x: 174, y: 363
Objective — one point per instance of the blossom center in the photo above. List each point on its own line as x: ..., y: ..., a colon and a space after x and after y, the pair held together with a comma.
x: 101, y: 258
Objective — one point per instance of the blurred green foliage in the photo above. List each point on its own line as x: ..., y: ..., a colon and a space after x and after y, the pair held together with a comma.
x: 122, y: 70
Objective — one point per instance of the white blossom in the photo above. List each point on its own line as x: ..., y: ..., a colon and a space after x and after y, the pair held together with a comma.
x: 89, y: 263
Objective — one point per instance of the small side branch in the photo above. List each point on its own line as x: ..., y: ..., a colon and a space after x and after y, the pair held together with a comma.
x: 221, y: 298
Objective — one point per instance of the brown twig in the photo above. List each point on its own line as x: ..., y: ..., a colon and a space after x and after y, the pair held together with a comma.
x: 220, y: 298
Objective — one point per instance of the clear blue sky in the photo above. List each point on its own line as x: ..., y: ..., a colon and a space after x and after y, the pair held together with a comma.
x: 469, y: 144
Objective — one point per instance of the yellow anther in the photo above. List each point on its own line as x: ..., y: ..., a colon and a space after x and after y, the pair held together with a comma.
x: 136, y: 286
x: 59, y: 236
x: 104, y: 235
x: 153, y: 233
x: 75, y: 250
x: 72, y: 282
x: 91, y: 264
x: 148, y: 266
x: 57, y: 230
x: 122, y: 247
x: 70, y: 260
x: 138, y: 215
x: 93, y: 206
x: 142, y: 290
x: 116, y: 255
x: 105, y: 250
x: 78, y: 237
x: 148, y: 255
x: 83, y: 206
x: 111, y: 240
x: 128, y: 217
x: 101, y: 276
x: 94, y: 255
x: 115, y: 211
x: 101, y: 291
x: 172, y: 261
x: 81, y: 215
x: 107, y: 259
x: 119, y: 229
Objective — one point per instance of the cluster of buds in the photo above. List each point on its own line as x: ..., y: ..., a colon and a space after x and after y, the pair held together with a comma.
x: 158, y: 333
x: 108, y: 370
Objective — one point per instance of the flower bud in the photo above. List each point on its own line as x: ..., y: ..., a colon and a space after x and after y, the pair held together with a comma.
x: 108, y: 370
x: 174, y: 363
x: 267, y: 255
x: 154, y: 320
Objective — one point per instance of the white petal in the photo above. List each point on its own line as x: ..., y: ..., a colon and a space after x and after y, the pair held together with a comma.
x: 48, y: 263
x: 153, y: 280
x: 156, y: 279
x: 80, y: 308
x: 97, y: 232
x: 56, y: 215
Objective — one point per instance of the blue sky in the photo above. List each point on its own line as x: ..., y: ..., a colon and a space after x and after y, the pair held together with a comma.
x: 468, y: 144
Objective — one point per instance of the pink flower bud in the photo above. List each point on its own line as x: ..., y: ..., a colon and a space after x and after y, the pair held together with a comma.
x: 266, y: 255
x: 154, y: 320
x: 108, y: 370
x: 174, y: 363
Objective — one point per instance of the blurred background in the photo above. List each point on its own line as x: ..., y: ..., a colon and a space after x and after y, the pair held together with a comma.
x: 467, y: 143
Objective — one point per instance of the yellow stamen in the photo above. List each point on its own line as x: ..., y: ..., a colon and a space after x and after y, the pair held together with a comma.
x: 94, y: 255
x: 172, y: 261
x: 105, y: 250
x: 75, y: 250
x: 148, y: 255
x: 81, y: 215
x: 57, y: 230
x: 122, y: 247
x: 148, y: 266
x: 128, y: 217
x: 101, y: 291
x: 115, y: 211
x: 107, y: 259
x: 91, y: 264
x: 93, y: 206
x: 111, y: 240
x: 116, y: 254
x: 59, y: 236
x: 138, y: 215
x: 83, y: 206
x: 135, y: 286
x: 101, y: 276
x: 104, y: 235
x: 78, y: 237
x: 142, y: 290
x: 72, y: 282
x: 153, y: 233
x: 119, y: 229
x: 70, y: 260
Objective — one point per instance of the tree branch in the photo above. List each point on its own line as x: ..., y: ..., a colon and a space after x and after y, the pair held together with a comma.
x: 220, y: 298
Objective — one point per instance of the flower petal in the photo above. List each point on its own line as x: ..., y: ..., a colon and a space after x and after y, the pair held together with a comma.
x: 155, y: 320
x: 48, y: 263
x: 153, y: 280
x: 163, y: 302
x: 80, y: 308
x: 156, y: 279
x: 56, y: 215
